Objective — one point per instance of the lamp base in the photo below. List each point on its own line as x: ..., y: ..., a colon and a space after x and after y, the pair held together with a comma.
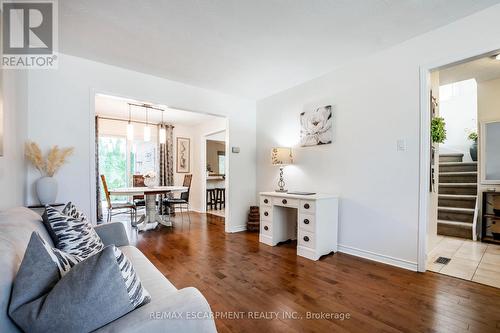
x: 281, y: 190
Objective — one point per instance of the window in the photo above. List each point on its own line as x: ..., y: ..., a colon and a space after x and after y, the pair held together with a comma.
x: 113, y: 161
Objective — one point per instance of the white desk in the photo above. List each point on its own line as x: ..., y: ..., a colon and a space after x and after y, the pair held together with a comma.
x: 312, y: 220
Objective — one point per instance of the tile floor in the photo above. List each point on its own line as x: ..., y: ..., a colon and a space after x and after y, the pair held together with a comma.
x: 474, y: 261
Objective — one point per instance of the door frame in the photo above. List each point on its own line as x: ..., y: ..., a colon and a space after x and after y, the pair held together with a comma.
x: 93, y: 92
x: 203, y: 159
x: 425, y: 135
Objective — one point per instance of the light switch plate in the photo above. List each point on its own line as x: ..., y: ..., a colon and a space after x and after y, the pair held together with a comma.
x: 235, y: 150
x: 401, y: 144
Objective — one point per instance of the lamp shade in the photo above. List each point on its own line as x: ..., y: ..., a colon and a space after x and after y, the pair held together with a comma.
x: 281, y: 156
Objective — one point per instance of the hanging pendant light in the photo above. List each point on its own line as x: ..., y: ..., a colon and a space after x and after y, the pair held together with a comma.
x: 130, y: 126
x: 147, y: 129
x: 163, y: 131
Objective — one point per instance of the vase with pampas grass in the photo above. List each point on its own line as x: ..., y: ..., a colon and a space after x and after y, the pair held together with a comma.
x: 46, y: 186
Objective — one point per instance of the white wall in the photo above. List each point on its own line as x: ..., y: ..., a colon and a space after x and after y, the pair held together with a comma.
x: 60, y: 111
x: 12, y: 163
x: 458, y: 107
x: 377, y: 101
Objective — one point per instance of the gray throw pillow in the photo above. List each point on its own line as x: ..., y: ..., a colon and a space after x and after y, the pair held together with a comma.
x: 75, y: 236
x: 93, y: 293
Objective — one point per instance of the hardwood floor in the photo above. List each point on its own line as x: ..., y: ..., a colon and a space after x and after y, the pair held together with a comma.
x: 236, y: 273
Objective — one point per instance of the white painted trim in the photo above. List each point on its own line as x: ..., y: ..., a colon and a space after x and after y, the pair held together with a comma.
x: 424, y: 172
x: 378, y: 257
x: 237, y: 228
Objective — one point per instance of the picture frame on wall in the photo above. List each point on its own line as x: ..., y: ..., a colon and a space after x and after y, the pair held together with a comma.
x: 183, y: 155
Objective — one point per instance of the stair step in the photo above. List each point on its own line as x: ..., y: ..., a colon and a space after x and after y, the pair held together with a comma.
x: 457, y: 200
x: 458, y: 177
x: 454, y: 229
x: 456, y: 214
x: 458, y: 188
x: 457, y: 166
x: 451, y: 157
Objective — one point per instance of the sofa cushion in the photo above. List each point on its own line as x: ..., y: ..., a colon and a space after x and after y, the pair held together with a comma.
x: 72, y: 235
x: 93, y: 293
x: 16, y: 227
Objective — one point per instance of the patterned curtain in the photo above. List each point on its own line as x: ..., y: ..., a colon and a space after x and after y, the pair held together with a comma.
x: 97, y: 175
x: 166, y: 159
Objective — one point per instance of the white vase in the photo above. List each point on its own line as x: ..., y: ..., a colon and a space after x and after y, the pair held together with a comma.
x: 46, y: 190
x: 150, y: 181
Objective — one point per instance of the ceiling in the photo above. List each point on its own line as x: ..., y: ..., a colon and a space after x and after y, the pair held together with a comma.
x: 115, y: 107
x: 252, y: 48
x: 483, y: 69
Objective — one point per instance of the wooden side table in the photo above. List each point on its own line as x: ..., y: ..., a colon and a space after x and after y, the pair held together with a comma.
x: 490, y: 221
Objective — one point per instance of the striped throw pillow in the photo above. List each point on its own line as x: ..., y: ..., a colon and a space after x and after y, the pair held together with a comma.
x: 75, y: 236
x: 137, y: 294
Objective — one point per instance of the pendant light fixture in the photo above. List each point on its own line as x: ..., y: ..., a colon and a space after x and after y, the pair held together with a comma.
x: 147, y: 129
x: 130, y: 126
x: 163, y: 131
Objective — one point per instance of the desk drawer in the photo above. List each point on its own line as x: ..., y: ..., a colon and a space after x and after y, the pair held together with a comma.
x: 266, y: 213
x: 266, y: 228
x: 286, y: 202
x: 265, y: 201
x: 307, y: 206
x: 307, y: 222
x: 307, y: 239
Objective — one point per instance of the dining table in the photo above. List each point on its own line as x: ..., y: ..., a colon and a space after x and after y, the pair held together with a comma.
x: 151, y: 218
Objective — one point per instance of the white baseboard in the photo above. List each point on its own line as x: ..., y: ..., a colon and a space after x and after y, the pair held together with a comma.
x: 238, y: 228
x: 412, y: 266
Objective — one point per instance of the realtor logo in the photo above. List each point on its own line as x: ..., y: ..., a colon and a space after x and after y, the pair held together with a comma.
x: 29, y: 36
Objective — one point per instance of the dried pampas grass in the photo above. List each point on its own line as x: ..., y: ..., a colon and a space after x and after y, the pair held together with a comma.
x: 56, y: 157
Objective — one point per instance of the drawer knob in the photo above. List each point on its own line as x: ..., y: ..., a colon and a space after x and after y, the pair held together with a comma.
x: 266, y: 214
x: 306, y: 221
x: 284, y: 201
x: 266, y: 201
x: 307, y: 206
x: 266, y: 228
x: 306, y: 239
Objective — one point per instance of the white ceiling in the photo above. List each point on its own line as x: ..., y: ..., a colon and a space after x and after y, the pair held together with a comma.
x: 251, y: 48
x: 115, y: 107
x: 483, y: 69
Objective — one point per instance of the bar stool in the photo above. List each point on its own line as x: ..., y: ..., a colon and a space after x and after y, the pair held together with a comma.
x: 220, y: 197
x: 211, y: 198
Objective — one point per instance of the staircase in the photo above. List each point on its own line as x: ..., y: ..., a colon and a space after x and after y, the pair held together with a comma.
x: 457, y: 196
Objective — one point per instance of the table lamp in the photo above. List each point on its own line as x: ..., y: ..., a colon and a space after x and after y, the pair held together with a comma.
x: 281, y: 156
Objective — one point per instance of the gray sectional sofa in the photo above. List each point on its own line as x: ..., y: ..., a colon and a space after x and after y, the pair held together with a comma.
x: 192, y: 312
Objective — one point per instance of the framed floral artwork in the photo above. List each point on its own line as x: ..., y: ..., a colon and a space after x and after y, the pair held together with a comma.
x: 183, y: 155
x: 316, y: 126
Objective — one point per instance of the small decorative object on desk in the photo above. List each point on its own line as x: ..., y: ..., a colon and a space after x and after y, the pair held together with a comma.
x: 150, y: 179
x: 253, y: 223
x: 46, y: 186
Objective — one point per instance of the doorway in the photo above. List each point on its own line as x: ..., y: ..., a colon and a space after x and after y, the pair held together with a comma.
x: 215, y: 173
x: 459, y: 228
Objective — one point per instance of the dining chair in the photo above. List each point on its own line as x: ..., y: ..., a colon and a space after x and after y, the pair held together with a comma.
x: 183, y: 201
x: 138, y: 181
x: 118, y: 206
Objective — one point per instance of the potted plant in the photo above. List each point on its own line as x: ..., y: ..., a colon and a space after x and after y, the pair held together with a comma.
x: 438, y: 130
x: 473, y: 148
x: 46, y: 185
